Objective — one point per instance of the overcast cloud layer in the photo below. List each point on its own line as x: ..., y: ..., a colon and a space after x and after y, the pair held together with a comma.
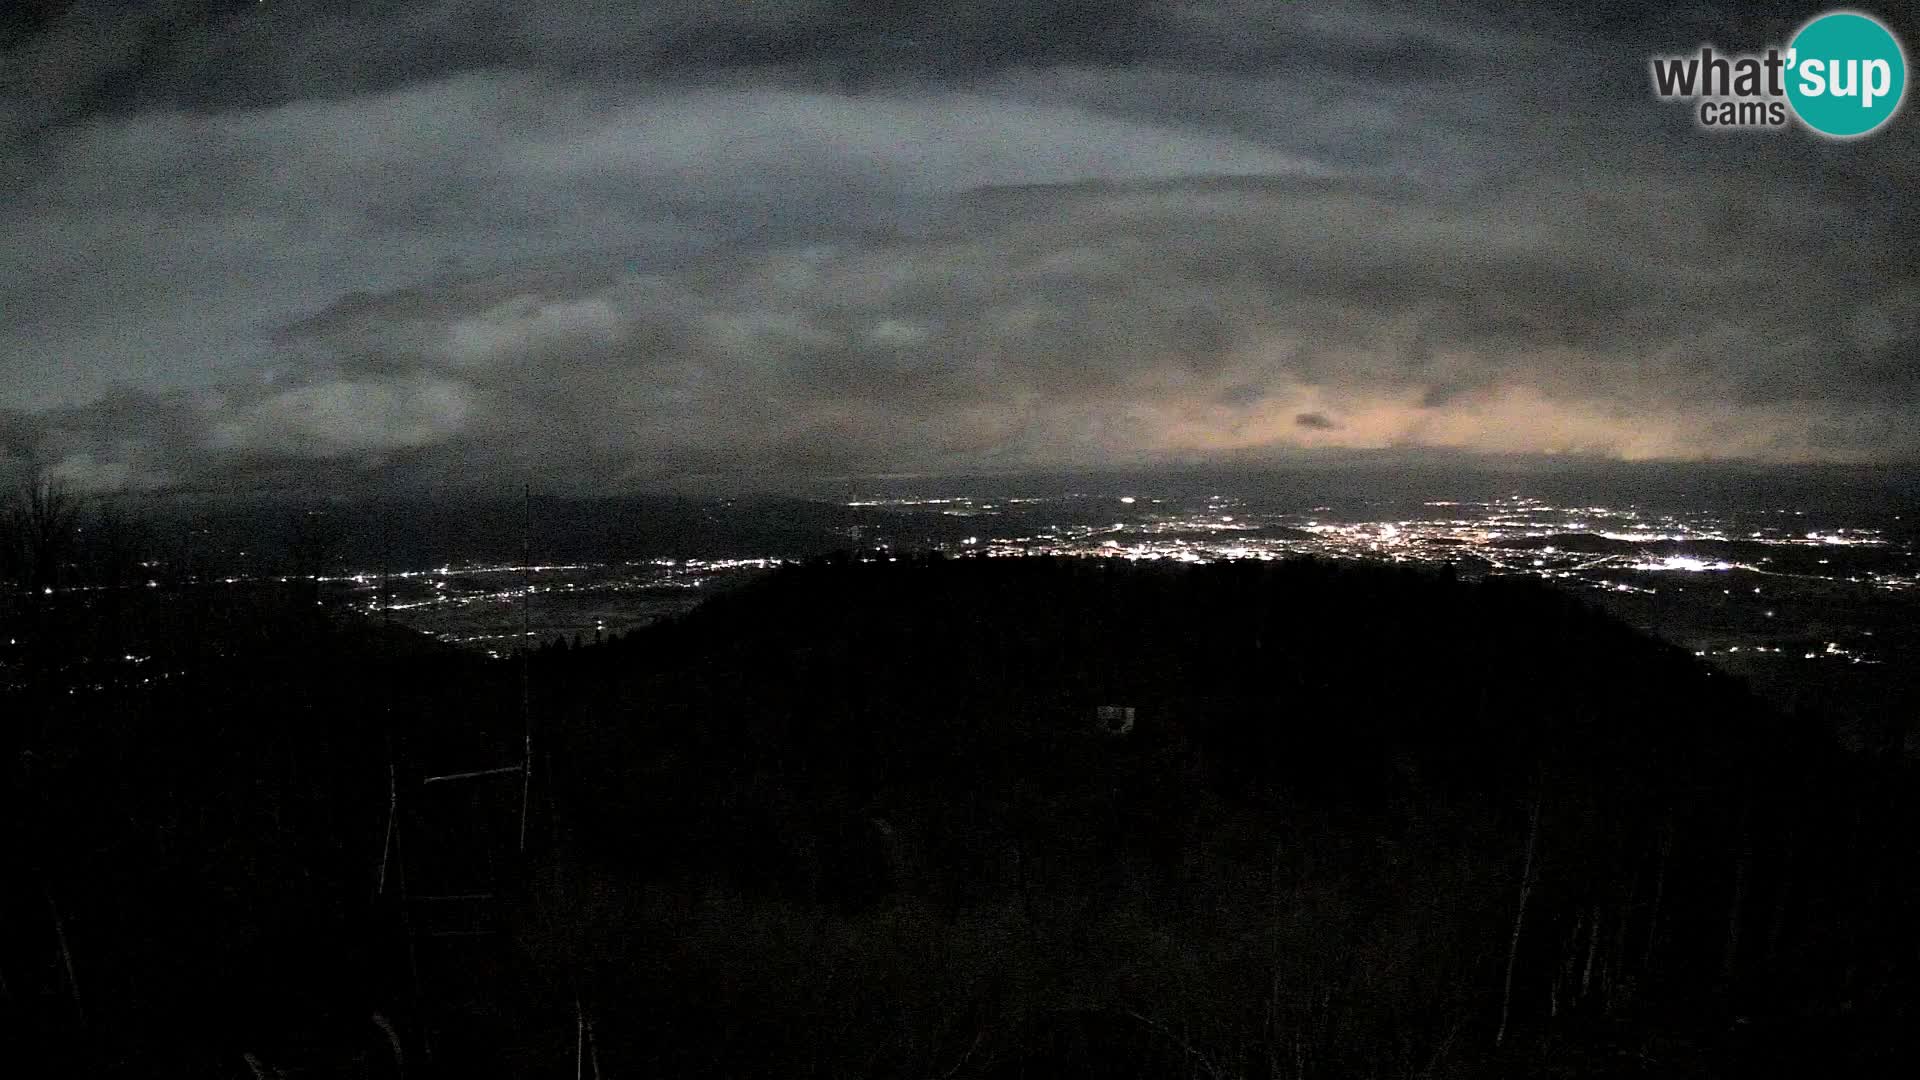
x: 249, y: 245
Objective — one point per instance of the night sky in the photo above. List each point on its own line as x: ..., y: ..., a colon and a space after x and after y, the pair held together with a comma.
x: 384, y: 246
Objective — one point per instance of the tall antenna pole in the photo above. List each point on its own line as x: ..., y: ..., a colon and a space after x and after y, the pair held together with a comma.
x: 386, y: 584
x: 386, y: 623
x: 526, y: 632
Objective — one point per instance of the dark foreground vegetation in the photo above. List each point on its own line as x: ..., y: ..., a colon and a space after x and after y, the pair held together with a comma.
x: 869, y: 819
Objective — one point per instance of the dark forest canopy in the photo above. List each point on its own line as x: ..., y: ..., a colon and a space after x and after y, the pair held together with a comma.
x: 870, y: 819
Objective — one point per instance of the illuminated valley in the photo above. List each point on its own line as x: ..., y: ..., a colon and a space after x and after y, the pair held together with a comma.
x: 1800, y: 602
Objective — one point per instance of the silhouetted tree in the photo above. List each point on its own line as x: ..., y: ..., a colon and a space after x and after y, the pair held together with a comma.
x: 41, y: 519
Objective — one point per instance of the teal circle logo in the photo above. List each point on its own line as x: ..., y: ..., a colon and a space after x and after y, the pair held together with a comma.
x: 1846, y: 74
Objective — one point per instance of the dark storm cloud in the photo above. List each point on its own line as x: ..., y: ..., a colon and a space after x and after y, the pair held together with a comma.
x: 108, y: 56
x: 466, y: 242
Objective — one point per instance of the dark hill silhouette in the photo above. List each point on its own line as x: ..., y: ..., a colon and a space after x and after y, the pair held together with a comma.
x: 866, y: 819
x: 1315, y: 830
